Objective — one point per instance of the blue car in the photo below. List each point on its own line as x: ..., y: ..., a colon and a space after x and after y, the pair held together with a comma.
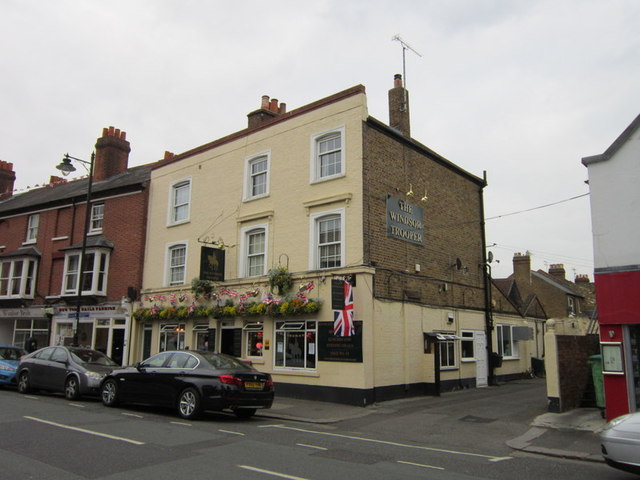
x: 9, y: 360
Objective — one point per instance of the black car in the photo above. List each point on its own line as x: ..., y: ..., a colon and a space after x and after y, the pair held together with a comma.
x: 191, y: 382
x: 76, y: 371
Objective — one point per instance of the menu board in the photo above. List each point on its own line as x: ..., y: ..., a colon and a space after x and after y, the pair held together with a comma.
x: 612, y: 358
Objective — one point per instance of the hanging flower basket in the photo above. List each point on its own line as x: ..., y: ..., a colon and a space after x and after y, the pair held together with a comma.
x: 280, y: 280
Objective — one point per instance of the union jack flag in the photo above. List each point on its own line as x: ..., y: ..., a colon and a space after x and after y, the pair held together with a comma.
x: 343, y: 325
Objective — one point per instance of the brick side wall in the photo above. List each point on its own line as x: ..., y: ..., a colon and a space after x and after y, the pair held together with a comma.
x: 574, y: 369
x: 452, y: 226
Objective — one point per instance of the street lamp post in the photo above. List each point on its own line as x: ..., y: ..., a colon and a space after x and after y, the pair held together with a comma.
x: 66, y: 168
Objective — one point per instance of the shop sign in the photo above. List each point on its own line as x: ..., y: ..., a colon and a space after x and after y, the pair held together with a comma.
x: 405, y: 221
x: 339, y: 349
x: 212, y: 264
x: 21, y: 312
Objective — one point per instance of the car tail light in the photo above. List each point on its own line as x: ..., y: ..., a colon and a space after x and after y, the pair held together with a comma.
x: 230, y: 380
x: 268, y: 383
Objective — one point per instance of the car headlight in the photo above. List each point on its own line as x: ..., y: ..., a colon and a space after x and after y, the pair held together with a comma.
x: 8, y: 368
x: 94, y: 375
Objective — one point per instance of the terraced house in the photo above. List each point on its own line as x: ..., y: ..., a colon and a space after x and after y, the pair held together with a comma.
x: 330, y: 249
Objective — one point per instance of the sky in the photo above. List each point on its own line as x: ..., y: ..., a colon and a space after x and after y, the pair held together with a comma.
x: 519, y: 89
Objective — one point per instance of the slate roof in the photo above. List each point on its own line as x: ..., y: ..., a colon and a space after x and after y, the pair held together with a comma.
x: 61, y: 194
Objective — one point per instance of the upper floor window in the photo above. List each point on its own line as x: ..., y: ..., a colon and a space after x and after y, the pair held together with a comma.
x: 328, y: 240
x: 571, y: 306
x: 94, y: 276
x: 17, y: 278
x: 180, y: 202
x: 254, y: 250
x: 328, y: 155
x: 177, y: 264
x: 32, y: 228
x: 257, y: 177
x: 97, y: 217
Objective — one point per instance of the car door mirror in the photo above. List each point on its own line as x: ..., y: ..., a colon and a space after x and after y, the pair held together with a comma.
x: 139, y: 366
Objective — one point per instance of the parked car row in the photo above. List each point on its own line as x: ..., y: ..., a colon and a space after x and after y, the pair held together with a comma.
x: 191, y: 382
x: 9, y: 361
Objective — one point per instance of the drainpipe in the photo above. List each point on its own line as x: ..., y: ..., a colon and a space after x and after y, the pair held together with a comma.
x: 486, y: 270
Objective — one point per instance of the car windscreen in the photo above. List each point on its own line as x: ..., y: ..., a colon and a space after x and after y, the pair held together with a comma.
x: 225, y: 362
x: 92, y: 357
x: 11, y: 353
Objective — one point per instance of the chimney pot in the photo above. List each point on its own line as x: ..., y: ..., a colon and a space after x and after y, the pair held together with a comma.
x: 397, y: 80
x: 282, y: 109
x: 112, y: 154
x: 265, y: 102
x: 274, y: 105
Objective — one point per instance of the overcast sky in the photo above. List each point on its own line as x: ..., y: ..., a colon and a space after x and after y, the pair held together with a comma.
x: 520, y: 89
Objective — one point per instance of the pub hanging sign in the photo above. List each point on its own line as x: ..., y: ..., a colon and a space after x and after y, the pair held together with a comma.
x: 212, y: 264
x: 405, y: 221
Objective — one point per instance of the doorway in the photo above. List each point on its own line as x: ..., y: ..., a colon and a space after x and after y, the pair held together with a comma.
x: 480, y: 353
x: 110, y: 341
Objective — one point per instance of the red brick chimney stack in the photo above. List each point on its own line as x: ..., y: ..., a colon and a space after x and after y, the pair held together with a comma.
x: 582, y: 278
x: 269, y: 109
x: 7, y: 179
x: 399, y: 107
x: 112, y: 154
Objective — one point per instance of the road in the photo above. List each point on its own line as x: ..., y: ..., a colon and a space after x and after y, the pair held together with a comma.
x: 48, y: 437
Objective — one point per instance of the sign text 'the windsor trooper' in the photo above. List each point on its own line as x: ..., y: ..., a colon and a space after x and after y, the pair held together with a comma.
x: 405, y: 221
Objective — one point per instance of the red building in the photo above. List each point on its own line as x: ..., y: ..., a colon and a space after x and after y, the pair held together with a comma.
x: 615, y: 199
x: 41, y: 238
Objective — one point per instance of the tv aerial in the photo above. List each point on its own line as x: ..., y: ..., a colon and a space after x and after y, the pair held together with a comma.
x: 405, y: 47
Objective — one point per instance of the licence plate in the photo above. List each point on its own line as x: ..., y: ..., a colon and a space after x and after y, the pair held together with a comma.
x: 253, y: 385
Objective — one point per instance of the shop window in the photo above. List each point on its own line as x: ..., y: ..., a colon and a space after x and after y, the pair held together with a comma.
x: 201, y: 336
x: 17, y: 278
x: 171, y: 337
x: 254, y: 335
x: 507, y: 346
x: 35, y: 328
x: 466, y: 346
x: 296, y: 345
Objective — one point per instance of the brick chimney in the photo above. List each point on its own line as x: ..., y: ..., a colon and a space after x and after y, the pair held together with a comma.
x: 399, y: 107
x: 557, y: 270
x: 7, y: 179
x: 522, y: 268
x: 269, y: 109
x: 112, y: 154
x: 582, y: 278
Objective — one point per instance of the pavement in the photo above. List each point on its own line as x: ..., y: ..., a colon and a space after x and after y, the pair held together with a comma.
x: 572, y: 434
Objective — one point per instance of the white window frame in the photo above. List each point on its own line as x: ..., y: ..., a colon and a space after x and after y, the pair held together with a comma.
x: 99, y: 271
x: 97, y: 217
x: 314, y: 238
x: 500, y: 341
x: 249, y: 176
x: 466, y: 337
x: 169, y: 331
x: 33, y: 224
x: 169, y: 267
x: 243, y: 261
x: 316, y: 174
x: 25, y: 281
x: 250, y: 330
x: 448, y: 346
x: 173, y: 206
x: 282, y: 331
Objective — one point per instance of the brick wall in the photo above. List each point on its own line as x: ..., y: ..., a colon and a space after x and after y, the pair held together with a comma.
x: 452, y: 215
x: 574, y: 370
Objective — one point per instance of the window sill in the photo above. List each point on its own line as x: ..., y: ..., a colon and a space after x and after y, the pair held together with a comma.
x: 468, y: 360
x: 177, y: 224
x: 448, y: 369
x: 295, y: 373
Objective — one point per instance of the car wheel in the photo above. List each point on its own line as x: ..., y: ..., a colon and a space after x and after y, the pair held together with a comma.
x: 23, y: 383
x: 189, y: 405
x: 72, y: 388
x: 245, y: 412
x: 109, y: 393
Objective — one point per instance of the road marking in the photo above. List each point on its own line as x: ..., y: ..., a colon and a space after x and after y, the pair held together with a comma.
x: 420, y: 465
x: 83, y: 430
x: 311, y: 446
x: 386, y: 442
x: 269, y: 472
x: 185, y: 424
x: 77, y: 405
x: 232, y: 433
x: 31, y: 397
x: 132, y: 415
x: 500, y: 459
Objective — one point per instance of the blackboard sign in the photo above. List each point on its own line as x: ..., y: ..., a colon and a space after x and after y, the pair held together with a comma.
x: 212, y: 264
x: 337, y: 294
x: 339, y: 349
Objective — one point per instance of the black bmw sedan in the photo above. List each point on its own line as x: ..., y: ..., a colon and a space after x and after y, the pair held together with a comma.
x: 191, y: 382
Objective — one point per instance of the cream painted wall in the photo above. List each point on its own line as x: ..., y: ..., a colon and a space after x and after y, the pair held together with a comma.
x: 217, y: 208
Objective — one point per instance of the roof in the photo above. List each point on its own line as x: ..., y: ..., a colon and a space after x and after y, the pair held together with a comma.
x: 22, y: 252
x: 565, y: 285
x: 60, y: 194
x: 615, y: 146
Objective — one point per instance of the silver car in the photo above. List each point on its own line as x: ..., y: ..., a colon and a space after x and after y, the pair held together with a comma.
x: 620, y: 440
x: 75, y: 371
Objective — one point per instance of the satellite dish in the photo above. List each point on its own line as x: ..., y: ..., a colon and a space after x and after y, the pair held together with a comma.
x: 490, y: 257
